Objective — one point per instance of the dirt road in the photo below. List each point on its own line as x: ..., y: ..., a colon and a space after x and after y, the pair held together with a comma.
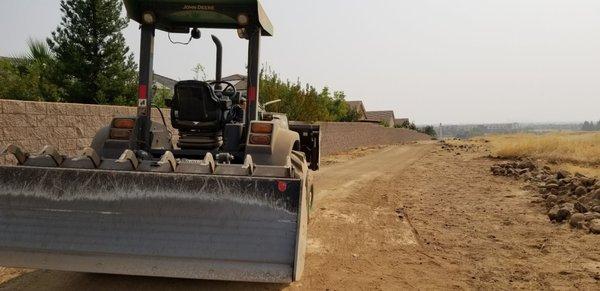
x: 411, y: 216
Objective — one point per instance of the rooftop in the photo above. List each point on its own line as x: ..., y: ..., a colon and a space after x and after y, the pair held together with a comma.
x: 400, y: 121
x: 381, y: 115
x: 234, y: 77
x: 165, y: 81
x: 356, y: 105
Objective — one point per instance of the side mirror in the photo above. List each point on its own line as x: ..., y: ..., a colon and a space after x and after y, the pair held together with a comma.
x: 168, y: 102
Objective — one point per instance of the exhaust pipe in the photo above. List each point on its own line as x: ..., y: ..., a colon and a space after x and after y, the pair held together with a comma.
x: 218, y: 73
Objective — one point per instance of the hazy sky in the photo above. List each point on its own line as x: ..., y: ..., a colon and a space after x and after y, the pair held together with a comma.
x: 450, y: 61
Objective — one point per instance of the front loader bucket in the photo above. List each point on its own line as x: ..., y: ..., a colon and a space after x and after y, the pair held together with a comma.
x: 152, y: 224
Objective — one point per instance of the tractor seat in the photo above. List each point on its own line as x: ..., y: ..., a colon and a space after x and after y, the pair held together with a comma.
x: 199, y: 115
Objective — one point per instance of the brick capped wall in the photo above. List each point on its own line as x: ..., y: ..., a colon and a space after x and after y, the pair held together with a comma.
x: 71, y: 127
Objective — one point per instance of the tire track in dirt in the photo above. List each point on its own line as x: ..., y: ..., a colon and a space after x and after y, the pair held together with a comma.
x: 360, y: 228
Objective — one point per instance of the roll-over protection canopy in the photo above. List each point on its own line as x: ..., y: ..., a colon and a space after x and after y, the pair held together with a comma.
x: 181, y: 15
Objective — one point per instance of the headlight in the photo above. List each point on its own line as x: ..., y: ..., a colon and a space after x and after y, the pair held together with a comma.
x: 148, y: 17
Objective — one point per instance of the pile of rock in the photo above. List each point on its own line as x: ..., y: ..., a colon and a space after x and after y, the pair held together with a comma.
x: 573, y: 198
x: 459, y: 147
x: 520, y: 169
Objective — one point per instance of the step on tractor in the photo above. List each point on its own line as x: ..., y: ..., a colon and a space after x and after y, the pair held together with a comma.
x: 227, y: 199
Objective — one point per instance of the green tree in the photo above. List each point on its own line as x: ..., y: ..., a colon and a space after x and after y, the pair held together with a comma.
x: 406, y: 124
x: 429, y: 130
x: 303, y: 102
x: 30, y: 76
x: 160, y: 95
x: 337, y: 106
x: 300, y: 102
x: 17, y: 82
x: 351, y: 116
x: 93, y: 61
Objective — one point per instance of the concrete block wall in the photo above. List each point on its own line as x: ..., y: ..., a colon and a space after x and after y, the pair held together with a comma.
x: 71, y: 127
x: 342, y: 136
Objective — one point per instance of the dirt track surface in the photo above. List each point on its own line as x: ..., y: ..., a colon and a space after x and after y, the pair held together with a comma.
x: 409, y: 216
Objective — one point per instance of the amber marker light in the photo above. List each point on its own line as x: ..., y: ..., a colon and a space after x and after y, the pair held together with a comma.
x: 260, y: 139
x: 124, y: 123
x: 262, y: 127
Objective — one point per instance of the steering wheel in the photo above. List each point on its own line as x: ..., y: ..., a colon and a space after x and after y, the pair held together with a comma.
x: 229, y: 85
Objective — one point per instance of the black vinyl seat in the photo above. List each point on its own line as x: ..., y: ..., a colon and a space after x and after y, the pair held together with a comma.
x: 199, y: 115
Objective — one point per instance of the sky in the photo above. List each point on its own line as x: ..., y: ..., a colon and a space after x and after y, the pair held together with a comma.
x: 433, y: 61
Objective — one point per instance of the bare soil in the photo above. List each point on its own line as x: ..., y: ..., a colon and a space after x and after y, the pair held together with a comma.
x: 406, y: 217
x: 350, y: 155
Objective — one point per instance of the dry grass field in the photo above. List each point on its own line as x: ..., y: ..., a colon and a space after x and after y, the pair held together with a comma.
x: 572, y: 151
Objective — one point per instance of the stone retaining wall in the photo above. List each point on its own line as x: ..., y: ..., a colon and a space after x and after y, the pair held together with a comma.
x: 71, y: 127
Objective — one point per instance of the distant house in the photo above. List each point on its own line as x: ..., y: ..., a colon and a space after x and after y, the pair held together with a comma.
x: 400, y: 121
x: 384, y: 117
x: 359, y: 107
x: 163, y: 82
x: 240, y: 82
x: 235, y: 77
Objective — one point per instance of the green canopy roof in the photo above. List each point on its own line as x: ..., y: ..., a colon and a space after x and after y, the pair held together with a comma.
x: 181, y: 15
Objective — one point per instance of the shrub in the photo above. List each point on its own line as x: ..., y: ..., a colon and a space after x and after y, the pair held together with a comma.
x: 429, y: 129
x: 407, y: 124
x: 31, y: 76
x: 302, y: 102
